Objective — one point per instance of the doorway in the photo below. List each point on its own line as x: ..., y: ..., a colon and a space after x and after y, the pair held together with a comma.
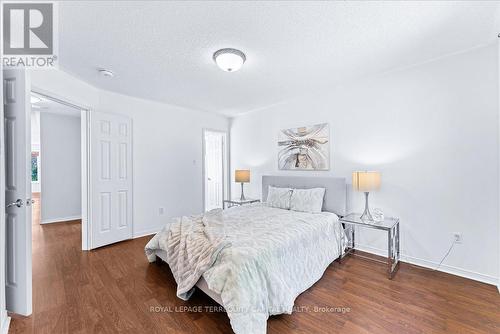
x: 41, y: 132
x: 215, y: 166
x: 104, y: 146
x: 56, y: 175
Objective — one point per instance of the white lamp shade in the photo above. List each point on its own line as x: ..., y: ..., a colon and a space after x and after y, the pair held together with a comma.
x: 242, y: 175
x: 366, y: 181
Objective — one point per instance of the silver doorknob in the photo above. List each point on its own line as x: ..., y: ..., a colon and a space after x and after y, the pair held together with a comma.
x: 18, y: 203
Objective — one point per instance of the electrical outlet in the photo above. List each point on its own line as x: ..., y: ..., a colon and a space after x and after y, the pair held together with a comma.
x: 457, y: 236
x: 161, y: 211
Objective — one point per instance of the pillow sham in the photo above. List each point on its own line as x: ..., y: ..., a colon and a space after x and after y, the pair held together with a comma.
x: 279, y: 197
x: 307, y: 200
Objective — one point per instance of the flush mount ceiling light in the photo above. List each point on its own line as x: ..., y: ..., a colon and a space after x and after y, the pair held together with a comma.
x: 106, y: 73
x: 229, y: 60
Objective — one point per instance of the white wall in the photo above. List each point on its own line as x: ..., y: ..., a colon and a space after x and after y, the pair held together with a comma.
x: 167, y: 158
x: 432, y: 131
x: 167, y: 143
x: 61, y: 160
x: 35, y: 129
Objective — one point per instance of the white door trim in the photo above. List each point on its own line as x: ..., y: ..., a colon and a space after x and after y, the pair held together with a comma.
x: 226, y: 187
x: 85, y: 158
x: 498, y: 189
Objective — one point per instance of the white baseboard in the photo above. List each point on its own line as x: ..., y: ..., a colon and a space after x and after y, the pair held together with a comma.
x: 143, y: 233
x: 432, y: 265
x: 4, y: 326
x: 60, y: 219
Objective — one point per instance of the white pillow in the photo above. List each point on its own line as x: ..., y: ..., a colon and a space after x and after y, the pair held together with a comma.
x: 307, y: 200
x: 279, y: 197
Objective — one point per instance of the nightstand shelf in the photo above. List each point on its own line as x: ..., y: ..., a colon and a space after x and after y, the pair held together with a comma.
x: 390, y: 225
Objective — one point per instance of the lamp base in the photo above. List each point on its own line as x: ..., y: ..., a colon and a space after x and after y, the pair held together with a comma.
x: 366, y: 216
x: 242, y: 197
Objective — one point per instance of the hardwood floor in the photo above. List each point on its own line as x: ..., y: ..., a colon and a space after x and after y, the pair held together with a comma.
x: 113, y: 289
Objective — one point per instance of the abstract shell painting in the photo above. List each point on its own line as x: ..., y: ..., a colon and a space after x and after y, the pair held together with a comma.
x: 304, y: 148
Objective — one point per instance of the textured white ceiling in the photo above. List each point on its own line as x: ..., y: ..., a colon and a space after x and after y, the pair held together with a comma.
x: 163, y: 50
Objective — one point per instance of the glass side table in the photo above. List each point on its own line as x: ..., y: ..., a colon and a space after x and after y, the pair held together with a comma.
x: 228, y: 203
x: 390, y: 225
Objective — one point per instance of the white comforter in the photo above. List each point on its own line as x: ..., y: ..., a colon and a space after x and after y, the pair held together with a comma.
x: 272, y: 255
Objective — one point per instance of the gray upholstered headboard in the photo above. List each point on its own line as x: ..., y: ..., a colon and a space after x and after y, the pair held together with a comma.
x: 335, y: 189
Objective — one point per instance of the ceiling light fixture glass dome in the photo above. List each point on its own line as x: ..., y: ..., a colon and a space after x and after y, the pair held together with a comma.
x: 229, y: 60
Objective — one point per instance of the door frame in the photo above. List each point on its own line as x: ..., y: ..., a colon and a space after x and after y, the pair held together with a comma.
x: 226, y: 188
x: 85, y: 159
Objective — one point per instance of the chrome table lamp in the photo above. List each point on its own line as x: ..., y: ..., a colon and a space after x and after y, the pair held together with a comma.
x: 242, y: 176
x: 366, y: 182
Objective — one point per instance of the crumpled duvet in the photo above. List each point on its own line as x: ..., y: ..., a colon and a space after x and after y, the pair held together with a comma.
x: 192, y: 245
x: 258, y: 258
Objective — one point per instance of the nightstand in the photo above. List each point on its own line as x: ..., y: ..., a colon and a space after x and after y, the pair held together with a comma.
x: 238, y: 202
x: 389, y: 225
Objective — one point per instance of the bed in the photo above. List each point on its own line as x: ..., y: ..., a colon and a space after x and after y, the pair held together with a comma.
x: 255, y: 260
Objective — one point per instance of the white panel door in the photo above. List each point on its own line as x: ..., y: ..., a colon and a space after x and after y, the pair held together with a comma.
x: 111, y: 178
x: 17, y: 134
x: 214, y: 169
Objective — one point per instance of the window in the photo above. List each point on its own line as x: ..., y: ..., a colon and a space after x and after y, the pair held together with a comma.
x: 35, y: 164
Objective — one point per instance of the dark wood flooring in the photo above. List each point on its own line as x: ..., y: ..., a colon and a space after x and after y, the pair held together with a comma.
x: 114, y: 290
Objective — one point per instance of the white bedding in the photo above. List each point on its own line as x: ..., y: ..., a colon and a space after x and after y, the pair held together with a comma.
x: 272, y: 256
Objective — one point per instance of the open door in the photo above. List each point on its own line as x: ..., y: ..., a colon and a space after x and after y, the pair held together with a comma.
x: 214, y: 167
x: 18, y: 285
x: 111, y: 178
